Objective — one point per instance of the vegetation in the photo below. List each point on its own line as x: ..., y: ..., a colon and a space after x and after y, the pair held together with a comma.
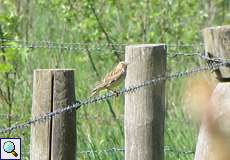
x: 98, y: 23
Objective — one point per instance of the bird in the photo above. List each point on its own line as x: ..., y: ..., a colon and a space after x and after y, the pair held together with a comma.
x: 112, y: 79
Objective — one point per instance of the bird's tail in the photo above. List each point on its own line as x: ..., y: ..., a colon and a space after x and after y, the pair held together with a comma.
x: 97, y: 89
x: 93, y: 93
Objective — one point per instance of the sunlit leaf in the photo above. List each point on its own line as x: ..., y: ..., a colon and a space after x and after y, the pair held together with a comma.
x: 5, y: 67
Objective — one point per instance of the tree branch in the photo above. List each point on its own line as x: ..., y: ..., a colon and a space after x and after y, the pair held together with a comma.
x: 104, y: 31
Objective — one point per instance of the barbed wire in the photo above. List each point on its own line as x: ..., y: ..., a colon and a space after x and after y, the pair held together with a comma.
x: 102, y: 151
x: 168, y: 149
x: 72, y: 48
x: 64, y: 43
x: 58, y: 47
x: 100, y: 98
x: 204, y: 56
x: 92, y: 43
x: 175, y: 55
x: 92, y: 47
x: 75, y: 45
x: 201, y: 55
x: 79, y: 48
x: 114, y: 149
x: 9, y: 116
x: 186, y: 45
x: 121, y: 118
x: 64, y: 46
x: 100, y: 118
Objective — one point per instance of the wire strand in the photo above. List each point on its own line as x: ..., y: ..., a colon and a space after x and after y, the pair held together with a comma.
x: 115, y: 149
x: 100, y: 98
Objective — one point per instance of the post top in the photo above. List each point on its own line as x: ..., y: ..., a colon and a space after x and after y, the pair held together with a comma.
x: 218, y: 27
x: 217, y: 45
x: 146, y: 45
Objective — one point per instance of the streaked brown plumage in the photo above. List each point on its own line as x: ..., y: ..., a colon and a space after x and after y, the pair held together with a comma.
x: 112, y: 79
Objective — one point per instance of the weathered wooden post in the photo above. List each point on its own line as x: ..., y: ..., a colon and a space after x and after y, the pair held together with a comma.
x: 56, y: 138
x: 214, y: 137
x: 145, y: 108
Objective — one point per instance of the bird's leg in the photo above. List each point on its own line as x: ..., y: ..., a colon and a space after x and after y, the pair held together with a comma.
x: 114, y: 92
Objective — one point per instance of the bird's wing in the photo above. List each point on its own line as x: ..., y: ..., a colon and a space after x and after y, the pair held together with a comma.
x: 113, y: 76
x: 109, y: 79
x: 98, y: 88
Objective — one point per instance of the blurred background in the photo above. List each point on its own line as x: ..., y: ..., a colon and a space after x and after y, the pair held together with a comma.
x: 90, y: 37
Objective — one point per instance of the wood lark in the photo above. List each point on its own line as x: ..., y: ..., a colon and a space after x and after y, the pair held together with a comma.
x: 112, y: 79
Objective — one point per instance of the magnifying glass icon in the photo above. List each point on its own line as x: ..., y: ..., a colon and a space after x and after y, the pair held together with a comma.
x: 9, y: 147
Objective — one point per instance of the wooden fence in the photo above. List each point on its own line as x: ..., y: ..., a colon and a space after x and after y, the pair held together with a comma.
x: 144, y: 110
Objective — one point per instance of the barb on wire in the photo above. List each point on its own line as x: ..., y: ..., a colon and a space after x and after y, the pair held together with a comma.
x: 104, y: 97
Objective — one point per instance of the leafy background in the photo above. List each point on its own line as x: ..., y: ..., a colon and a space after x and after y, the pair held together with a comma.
x: 95, y: 24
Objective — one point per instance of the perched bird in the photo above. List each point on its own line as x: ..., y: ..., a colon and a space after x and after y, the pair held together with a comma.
x: 112, y: 79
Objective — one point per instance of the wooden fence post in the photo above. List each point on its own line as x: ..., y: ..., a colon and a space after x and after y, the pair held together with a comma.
x: 145, y: 108
x: 54, y: 139
x: 214, y: 136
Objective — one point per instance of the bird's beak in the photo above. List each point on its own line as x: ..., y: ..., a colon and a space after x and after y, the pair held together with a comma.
x: 126, y: 63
